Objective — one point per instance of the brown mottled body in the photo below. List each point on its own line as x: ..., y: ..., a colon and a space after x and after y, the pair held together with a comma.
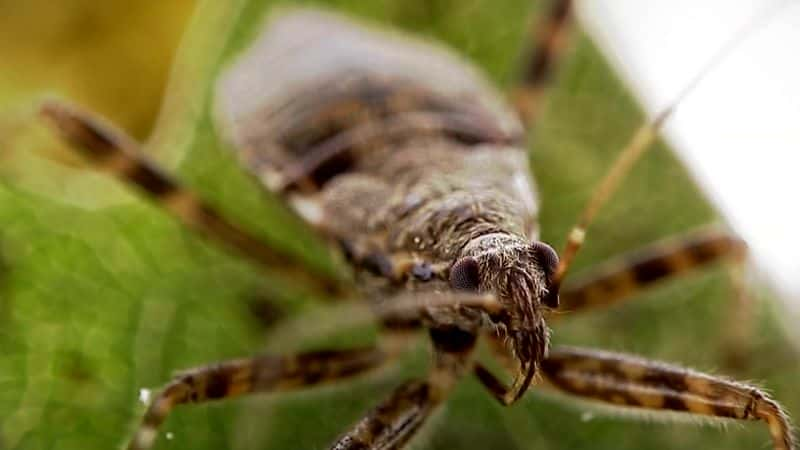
x: 408, y: 203
x: 402, y: 155
x: 423, y: 191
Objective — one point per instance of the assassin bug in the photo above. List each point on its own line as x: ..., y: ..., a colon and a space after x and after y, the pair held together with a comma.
x: 421, y: 183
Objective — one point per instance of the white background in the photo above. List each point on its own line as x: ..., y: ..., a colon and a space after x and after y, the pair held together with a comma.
x: 739, y: 130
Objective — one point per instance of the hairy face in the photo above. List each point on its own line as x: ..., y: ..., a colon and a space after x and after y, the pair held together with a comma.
x: 520, y: 274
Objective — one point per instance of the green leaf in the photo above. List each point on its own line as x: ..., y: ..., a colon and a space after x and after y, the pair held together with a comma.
x: 98, y: 303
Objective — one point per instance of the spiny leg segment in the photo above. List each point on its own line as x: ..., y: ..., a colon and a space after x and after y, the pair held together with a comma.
x: 111, y: 150
x: 629, y: 381
x: 392, y: 423
x: 280, y: 373
x: 251, y: 375
x: 396, y: 419
x: 620, y: 278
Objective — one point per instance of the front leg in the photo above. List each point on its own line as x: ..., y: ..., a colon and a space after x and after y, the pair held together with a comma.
x: 251, y: 375
x: 394, y: 421
x: 629, y: 381
x: 108, y: 148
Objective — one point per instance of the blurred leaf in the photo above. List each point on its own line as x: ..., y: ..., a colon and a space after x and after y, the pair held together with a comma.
x: 103, y: 302
x: 111, y: 55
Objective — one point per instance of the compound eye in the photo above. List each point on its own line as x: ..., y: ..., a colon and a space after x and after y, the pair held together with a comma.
x: 465, y: 274
x: 548, y: 261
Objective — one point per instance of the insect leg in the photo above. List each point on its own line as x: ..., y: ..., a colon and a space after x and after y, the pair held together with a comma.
x: 548, y: 36
x: 619, y: 278
x: 738, y: 339
x: 629, y: 381
x: 251, y: 375
x: 111, y: 150
x: 497, y: 388
x: 397, y: 418
x: 392, y: 423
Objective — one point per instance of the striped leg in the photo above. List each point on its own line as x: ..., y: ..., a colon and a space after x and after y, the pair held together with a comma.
x: 548, y: 36
x: 395, y: 420
x: 392, y: 423
x: 628, y: 381
x: 111, y: 150
x: 619, y: 278
x: 251, y: 375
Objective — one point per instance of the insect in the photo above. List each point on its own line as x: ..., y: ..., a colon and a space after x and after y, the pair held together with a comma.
x: 421, y: 183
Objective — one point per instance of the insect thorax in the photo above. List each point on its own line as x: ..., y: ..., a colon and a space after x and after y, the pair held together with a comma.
x: 430, y: 196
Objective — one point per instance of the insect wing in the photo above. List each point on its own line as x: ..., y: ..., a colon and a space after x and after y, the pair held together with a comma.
x: 311, y: 78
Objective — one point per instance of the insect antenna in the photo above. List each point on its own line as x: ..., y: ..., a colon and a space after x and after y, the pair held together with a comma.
x: 641, y: 141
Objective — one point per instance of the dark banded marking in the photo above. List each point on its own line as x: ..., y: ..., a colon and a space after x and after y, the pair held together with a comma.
x: 616, y: 279
x: 111, y: 150
x: 538, y: 63
x: 490, y: 382
x: 151, y: 180
x: 392, y: 423
x: 398, y: 323
x: 85, y: 133
x: 380, y: 264
x: 452, y: 339
x: 264, y: 310
x: 502, y: 393
x: 218, y: 384
x: 630, y: 381
x: 549, y: 33
x: 245, y: 376
x: 108, y: 148
x: 336, y: 154
x: 650, y: 270
x: 396, y: 419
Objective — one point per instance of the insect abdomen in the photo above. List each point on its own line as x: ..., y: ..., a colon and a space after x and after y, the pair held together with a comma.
x: 316, y: 92
x: 362, y: 124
